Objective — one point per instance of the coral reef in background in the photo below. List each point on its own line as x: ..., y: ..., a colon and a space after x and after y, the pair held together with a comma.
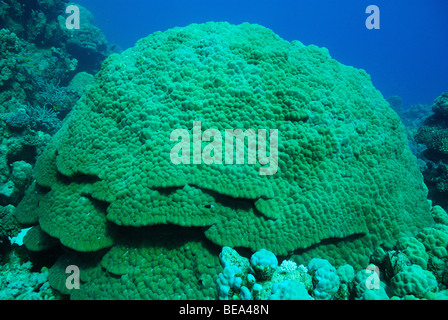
x: 412, y: 118
x: 436, y: 178
x: 9, y: 226
x: 18, y: 153
x: 42, y: 23
x: 88, y: 45
x: 427, y: 131
x: 19, y: 282
x: 40, y: 82
x: 40, y: 56
x: 25, y: 67
x: 37, y: 118
x: 33, y: 21
x: 433, y: 134
x: 34, y: 64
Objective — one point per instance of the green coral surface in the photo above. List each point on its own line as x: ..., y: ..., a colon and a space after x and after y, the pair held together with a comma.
x: 346, y: 179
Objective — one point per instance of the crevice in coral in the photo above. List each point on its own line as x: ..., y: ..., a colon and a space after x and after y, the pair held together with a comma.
x: 98, y: 204
x: 79, y: 178
x: 333, y: 241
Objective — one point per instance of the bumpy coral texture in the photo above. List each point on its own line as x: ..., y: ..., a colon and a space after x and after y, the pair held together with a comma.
x: 346, y: 179
x: 434, y: 132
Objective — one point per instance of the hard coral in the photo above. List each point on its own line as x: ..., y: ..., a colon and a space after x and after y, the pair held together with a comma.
x: 341, y: 148
x: 434, y: 132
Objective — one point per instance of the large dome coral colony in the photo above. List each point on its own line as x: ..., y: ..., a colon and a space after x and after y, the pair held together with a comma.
x: 314, y: 169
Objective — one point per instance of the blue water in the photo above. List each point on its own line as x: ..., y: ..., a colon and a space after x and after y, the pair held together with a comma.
x: 407, y: 56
